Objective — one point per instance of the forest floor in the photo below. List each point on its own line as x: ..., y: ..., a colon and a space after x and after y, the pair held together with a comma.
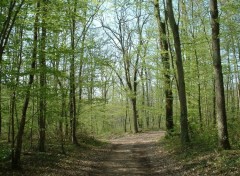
x: 138, y: 154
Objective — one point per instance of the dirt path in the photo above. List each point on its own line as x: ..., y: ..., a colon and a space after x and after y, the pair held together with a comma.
x: 134, y: 155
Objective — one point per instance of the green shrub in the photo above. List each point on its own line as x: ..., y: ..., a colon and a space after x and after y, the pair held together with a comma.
x: 5, y: 152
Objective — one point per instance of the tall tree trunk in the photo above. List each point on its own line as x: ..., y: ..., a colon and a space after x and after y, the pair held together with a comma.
x: 42, y: 62
x: 143, y: 99
x: 126, y: 115
x: 134, y: 98
x: 134, y: 85
x: 214, y: 118
x: 148, y: 83
x: 0, y: 100
x: 63, y: 115
x: 19, y: 139
x: 72, y: 79
x: 132, y: 88
x: 166, y: 64
x: 219, y: 87
x: 82, y: 54
x: 135, y: 114
x: 180, y: 73
x: 237, y: 79
x: 199, y: 90
x: 13, y: 99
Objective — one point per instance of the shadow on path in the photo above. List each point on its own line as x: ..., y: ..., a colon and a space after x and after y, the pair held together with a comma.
x: 134, y: 155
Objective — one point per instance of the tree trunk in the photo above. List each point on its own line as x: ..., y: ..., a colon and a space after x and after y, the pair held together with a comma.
x: 13, y: 98
x: 8, y: 24
x: 166, y: 64
x: 72, y: 79
x: 148, y: 83
x: 81, y: 64
x: 19, y: 139
x: 135, y: 114
x: 219, y: 87
x: 180, y: 73
x: 126, y: 117
x: 42, y: 62
x: 199, y: 90
x: 237, y: 79
x: 63, y: 115
x: 0, y: 100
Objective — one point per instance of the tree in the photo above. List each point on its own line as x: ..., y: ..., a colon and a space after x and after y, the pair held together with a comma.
x: 15, y: 80
x: 42, y: 65
x: 166, y: 63
x: 124, y: 35
x: 13, y: 9
x: 180, y: 75
x: 219, y: 85
x: 72, y: 96
x: 19, y: 139
x: 9, y: 21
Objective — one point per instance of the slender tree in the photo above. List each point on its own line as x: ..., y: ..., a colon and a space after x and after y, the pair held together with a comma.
x: 73, y: 113
x: 219, y: 87
x: 19, y: 139
x: 180, y: 75
x: 166, y: 64
x: 42, y: 63
x: 12, y: 12
x: 15, y: 82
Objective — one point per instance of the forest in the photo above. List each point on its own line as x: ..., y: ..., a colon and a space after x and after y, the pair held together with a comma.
x: 73, y: 72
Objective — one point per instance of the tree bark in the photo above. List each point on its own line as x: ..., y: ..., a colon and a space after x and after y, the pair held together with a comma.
x: 13, y: 99
x: 219, y: 87
x: 135, y: 114
x: 73, y: 112
x: 180, y: 73
x: 166, y: 65
x: 63, y: 115
x: 42, y: 62
x: 199, y: 90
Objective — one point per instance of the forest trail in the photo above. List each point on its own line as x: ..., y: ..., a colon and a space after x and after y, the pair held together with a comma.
x: 133, y: 154
x: 130, y: 155
x: 136, y: 154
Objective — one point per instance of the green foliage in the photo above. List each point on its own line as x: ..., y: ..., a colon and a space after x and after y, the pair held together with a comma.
x: 202, y: 140
x: 227, y: 161
x: 202, y: 154
x: 103, y: 106
x: 5, y: 152
x: 234, y: 132
x: 90, y: 140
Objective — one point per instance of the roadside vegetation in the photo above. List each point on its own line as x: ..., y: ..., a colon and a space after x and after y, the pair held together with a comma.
x: 203, y: 155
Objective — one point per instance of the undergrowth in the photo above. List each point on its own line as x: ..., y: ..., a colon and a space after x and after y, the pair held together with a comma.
x: 33, y: 160
x: 204, y: 150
